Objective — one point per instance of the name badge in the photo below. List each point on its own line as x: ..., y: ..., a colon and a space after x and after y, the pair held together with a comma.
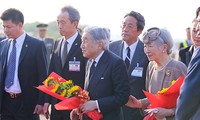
x: 138, y: 71
x: 74, y: 65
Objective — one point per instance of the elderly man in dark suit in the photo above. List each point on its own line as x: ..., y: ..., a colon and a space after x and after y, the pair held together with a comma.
x: 131, y: 50
x: 106, y: 76
x: 23, y: 66
x: 188, y: 103
x: 67, y: 59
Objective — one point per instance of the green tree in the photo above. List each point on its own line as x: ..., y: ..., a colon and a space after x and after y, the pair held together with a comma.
x: 52, y: 32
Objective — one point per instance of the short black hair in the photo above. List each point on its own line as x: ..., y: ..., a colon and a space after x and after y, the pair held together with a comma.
x: 140, y: 19
x: 14, y: 15
x: 197, y: 11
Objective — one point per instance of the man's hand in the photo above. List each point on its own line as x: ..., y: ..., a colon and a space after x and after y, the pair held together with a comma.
x: 88, y: 106
x: 46, y: 110
x: 74, y: 115
x: 133, y: 102
x: 38, y: 109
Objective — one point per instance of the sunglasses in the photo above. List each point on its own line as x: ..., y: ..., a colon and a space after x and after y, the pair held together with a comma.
x: 152, y: 34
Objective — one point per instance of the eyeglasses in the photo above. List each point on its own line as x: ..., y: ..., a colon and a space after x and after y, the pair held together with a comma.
x: 152, y: 34
x: 129, y: 26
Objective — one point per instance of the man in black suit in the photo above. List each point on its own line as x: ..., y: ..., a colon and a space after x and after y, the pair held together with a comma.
x: 136, y: 60
x: 67, y: 59
x: 106, y: 76
x: 23, y: 66
x: 185, y: 54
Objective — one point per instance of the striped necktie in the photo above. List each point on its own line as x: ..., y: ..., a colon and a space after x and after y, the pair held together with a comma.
x: 10, y: 73
x: 127, y: 60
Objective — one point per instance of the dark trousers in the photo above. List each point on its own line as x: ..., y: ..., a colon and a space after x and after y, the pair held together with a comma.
x: 59, y: 114
x: 12, y: 109
x: 131, y: 113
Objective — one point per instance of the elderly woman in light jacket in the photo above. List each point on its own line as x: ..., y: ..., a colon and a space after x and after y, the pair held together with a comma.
x: 161, y: 70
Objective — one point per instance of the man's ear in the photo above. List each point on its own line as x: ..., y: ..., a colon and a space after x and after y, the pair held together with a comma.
x: 139, y: 32
x: 100, y: 45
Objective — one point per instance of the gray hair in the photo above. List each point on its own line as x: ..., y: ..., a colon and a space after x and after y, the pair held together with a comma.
x: 99, y: 34
x: 160, y: 36
x: 73, y: 13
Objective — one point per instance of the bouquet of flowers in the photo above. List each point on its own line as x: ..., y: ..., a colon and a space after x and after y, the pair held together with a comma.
x: 71, y: 95
x: 166, y: 98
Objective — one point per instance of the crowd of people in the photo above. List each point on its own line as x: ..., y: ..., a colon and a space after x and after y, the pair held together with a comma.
x: 114, y: 73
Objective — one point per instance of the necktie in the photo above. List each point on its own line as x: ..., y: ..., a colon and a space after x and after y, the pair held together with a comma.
x: 90, y: 71
x: 127, y: 60
x: 10, y: 73
x: 92, y: 68
x: 64, y: 53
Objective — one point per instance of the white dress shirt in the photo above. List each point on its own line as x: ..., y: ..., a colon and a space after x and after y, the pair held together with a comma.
x: 132, y: 50
x: 70, y: 43
x: 15, y: 88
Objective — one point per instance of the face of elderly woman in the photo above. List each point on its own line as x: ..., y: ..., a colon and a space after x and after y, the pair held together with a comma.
x: 154, y: 51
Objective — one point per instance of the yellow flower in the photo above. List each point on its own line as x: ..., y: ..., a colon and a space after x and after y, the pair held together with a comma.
x: 55, y: 88
x: 173, y: 81
x: 68, y: 82
x: 165, y: 89
x: 48, y: 81
x: 73, y: 89
x: 162, y: 91
x: 65, y: 89
x: 63, y: 93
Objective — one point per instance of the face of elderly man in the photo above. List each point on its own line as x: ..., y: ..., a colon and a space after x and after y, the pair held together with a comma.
x: 90, y: 48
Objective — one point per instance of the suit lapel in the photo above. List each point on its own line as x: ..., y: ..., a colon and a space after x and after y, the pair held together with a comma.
x: 5, y: 53
x: 97, y: 75
x: 120, y: 49
x: 25, y: 47
x: 74, y: 47
x: 58, y: 54
x: 188, y: 55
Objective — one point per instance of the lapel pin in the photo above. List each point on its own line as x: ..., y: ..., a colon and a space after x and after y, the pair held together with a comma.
x: 26, y: 45
x: 168, y: 73
x: 76, y: 43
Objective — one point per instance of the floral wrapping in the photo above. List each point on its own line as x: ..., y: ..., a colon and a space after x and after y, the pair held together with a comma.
x: 71, y: 95
x: 162, y: 98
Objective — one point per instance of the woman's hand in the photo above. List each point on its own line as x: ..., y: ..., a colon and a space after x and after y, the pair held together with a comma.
x: 133, y: 102
x: 162, y: 113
